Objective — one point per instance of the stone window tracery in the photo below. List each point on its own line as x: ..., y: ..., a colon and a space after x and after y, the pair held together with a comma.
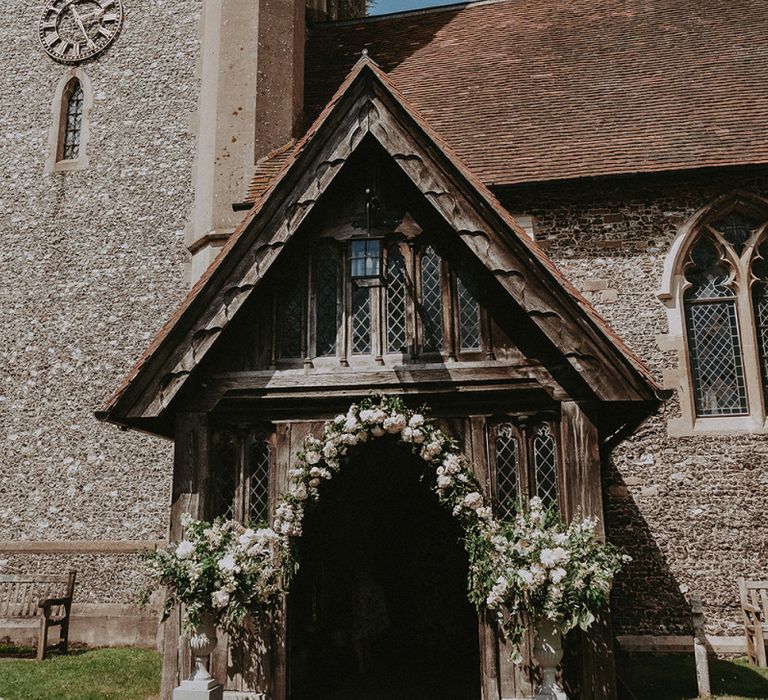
x: 716, y: 292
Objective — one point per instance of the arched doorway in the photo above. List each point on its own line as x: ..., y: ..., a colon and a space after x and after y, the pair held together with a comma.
x: 379, y: 610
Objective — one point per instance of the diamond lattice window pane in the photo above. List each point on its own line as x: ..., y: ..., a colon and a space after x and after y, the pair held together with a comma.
x: 431, y: 300
x: 290, y: 311
x: 507, y: 450
x: 224, y: 473
x: 258, y: 480
x: 760, y: 302
x: 469, y: 314
x: 736, y: 229
x: 396, y: 300
x: 361, y: 320
x: 327, y: 301
x: 545, y: 466
x: 715, y: 353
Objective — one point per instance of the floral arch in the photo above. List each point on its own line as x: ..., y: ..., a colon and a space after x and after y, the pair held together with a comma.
x: 321, y: 458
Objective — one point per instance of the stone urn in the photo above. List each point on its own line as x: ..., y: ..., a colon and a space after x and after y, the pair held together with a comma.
x: 201, y: 684
x: 548, y: 652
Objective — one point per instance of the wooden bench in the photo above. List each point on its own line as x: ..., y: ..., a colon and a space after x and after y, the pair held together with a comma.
x: 754, y: 609
x: 27, y: 597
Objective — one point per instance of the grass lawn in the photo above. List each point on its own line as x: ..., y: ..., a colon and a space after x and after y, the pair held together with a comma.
x: 98, y: 674
x: 673, y: 677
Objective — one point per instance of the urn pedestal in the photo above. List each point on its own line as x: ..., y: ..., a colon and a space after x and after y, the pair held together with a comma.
x: 201, y: 685
x: 548, y: 652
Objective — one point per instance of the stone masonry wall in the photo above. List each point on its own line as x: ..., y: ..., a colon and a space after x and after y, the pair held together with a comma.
x: 691, y: 511
x: 92, y: 263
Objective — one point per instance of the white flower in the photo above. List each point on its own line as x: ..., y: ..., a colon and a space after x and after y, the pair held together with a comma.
x: 366, y: 416
x: 557, y: 575
x: 484, y: 513
x: 444, y: 482
x: 246, y: 538
x: 378, y: 432
x: 341, y: 418
x: 535, y: 503
x: 184, y: 549
x: 378, y: 416
x: 547, y: 557
x: 330, y: 451
x: 300, y: 492
x: 314, y: 483
x: 525, y: 576
x: 417, y: 420
x: 228, y: 564
x: 395, y: 424
x: 560, y: 538
x: 186, y: 520
x: 473, y: 500
x: 452, y: 464
x: 312, y: 457
x: 351, y: 424
x: 407, y: 435
x: 418, y: 436
x: 220, y: 598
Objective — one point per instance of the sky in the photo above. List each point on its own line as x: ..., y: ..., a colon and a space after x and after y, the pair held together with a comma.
x: 382, y: 7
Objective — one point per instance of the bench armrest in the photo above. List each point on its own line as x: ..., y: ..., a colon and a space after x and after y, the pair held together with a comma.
x: 48, y: 602
x: 751, y: 608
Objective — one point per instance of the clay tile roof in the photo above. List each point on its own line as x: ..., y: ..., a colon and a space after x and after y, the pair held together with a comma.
x: 267, y: 169
x: 535, y: 90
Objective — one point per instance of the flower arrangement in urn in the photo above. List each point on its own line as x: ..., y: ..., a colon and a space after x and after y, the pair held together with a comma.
x: 537, y: 570
x: 220, y: 571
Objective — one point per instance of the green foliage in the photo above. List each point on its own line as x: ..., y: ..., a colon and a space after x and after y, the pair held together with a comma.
x: 99, y: 674
x: 222, y: 569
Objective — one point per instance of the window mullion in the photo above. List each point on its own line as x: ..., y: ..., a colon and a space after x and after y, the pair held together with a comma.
x: 750, y: 352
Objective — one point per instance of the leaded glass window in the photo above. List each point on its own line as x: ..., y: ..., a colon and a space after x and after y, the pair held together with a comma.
x: 361, y: 320
x: 225, y: 473
x: 736, y: 229
x: 73, y: 119
x: 713, y: 334
x: 469, y: 313
x: 327, y: 298
x: 240, y: 473
x: 291, y: 315
x: 258, y: 478
x: 396, y: 301
x: 431, y: 300
x: 545, y: 466
x: 507, y: 463
x: 760, y: 306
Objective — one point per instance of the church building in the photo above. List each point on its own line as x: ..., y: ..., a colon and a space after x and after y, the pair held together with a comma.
x: 227, y: 221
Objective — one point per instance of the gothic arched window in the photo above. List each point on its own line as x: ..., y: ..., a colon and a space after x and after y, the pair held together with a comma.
x: 73, y: 121
x: 716, y: 291
x: 69, y: 129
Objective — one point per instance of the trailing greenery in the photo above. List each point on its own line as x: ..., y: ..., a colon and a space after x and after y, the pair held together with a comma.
x: 535, y: 568
x: 222, y: 569
x: 99, y: 674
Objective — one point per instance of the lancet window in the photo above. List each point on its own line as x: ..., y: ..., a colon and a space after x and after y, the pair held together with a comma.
x: 72, y: 120
x: 723, y: 319
x: 525, y: 460
x: 407, y: 302
x: 240, y: 470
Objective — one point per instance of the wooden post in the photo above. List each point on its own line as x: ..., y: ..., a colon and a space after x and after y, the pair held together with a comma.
x: 700, y: 647
x: 580, y: 475
x: 190, y: 467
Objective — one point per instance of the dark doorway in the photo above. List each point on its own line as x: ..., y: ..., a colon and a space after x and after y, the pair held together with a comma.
x: 379, y: 610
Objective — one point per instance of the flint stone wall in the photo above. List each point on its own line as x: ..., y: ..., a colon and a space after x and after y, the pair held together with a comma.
x: 92, y: 264
x: 690, y: 510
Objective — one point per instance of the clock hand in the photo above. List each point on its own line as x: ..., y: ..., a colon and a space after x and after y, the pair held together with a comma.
x: 92, y: 16
x: 82, y: 28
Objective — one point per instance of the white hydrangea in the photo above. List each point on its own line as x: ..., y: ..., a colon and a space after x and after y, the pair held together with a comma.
x: 184, y: 549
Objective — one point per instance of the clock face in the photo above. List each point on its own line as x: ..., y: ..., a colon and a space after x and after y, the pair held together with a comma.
x: 75, y: 30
